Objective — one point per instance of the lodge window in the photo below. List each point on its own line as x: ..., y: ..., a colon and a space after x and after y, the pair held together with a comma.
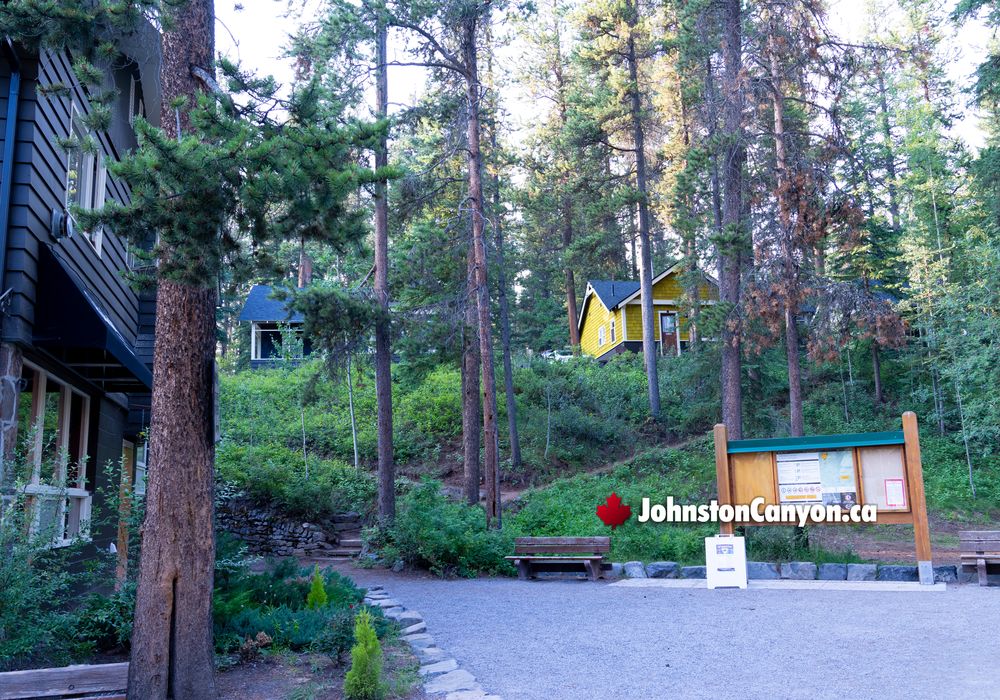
x: 53, y: 426
x: 614, y: 335
x: 600, y: 336
x: 278, y: 341
x: 86, y: 176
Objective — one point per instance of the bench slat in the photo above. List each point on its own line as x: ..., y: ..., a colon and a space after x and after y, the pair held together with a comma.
x: 555, y: 559
x: 979, y: 534
x: 559, y: 549
x: 993, y: 546
x: 53, y: 682
x: 600, y: 541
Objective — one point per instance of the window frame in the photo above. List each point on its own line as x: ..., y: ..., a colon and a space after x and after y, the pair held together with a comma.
x: 614, y: 334
x: 74, y: 501
x: 256, y: 340
x: 601, y: 336
x: 141, y: 468
x: 92, y: 191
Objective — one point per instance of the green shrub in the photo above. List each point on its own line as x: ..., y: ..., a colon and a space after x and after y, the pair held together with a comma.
x: 364, y: 679
x: 436, y: 533
x: 104, y: 623
x: 317, y: 593
x: 283, y: 603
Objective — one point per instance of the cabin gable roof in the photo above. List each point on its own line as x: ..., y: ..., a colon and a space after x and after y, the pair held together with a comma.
x: 261, y: 306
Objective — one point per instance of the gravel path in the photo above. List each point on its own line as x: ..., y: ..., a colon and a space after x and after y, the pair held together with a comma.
x: 563, y: 639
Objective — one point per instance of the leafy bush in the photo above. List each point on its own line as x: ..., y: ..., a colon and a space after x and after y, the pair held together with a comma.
x: 42, y: 588
x: 277, y: 474
x: 104, y: 623
x: 283, y: 603
x: 364, y: 679
x: 434, y: 532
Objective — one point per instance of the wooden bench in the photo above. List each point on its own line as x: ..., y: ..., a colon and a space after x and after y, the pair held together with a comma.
x: 555, y: 553
x: 980, y: 549
x: 103, y: 682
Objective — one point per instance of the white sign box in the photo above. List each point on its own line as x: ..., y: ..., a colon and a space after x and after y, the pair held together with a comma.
x: 725, y: 562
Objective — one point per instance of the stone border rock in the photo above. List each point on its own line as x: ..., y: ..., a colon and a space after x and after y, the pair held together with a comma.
x: 798, y: 570
x: 441, y: 673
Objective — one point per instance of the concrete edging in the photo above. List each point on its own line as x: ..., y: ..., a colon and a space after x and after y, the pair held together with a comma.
x: 441, y: 673
x: 795, y: 571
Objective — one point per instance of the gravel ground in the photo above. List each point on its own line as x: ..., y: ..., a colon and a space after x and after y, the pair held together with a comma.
x: 564, y: 639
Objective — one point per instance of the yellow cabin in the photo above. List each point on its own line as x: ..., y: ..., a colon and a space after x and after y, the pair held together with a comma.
x: 611, y: 317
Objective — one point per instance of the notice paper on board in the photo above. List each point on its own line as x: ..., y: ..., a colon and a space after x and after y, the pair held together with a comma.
x: 895, y: 493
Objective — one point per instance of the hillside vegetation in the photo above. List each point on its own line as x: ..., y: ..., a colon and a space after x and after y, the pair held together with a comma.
x: 592, y: 417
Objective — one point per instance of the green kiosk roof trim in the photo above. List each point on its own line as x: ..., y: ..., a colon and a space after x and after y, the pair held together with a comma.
x: 816, y: 442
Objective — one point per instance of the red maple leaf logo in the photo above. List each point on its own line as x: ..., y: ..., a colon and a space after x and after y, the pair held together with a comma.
x: 613, y: 512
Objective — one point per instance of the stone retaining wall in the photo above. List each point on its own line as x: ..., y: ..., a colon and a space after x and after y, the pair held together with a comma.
x: 268, y: 532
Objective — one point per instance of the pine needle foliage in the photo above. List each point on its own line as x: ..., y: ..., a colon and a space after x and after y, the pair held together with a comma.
x: 364, y: 679
x: 317, y: 592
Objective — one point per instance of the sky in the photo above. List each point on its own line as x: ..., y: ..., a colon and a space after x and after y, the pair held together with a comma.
x: 255, y: 32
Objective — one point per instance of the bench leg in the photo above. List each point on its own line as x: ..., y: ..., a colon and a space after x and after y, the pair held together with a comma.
x: 523, y: 570
x: 593, y: 570
x: 981, y: 569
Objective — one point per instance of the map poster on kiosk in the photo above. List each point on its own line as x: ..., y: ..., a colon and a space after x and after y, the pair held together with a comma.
x: 826, y: 478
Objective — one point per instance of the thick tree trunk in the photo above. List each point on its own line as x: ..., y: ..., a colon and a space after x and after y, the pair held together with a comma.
x: 383, y: 351
x: 649, y: 330
x: 731, y: 241
x: 172, y: 651
x: 788, y: 264
x: 471, y: 411
x: 491, y: 458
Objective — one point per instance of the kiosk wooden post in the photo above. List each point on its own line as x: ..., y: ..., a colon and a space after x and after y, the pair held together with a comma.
x: 722, y: 471
x: 915, y: 470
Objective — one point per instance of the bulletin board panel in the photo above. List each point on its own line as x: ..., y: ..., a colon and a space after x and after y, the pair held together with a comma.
x: 881, y: 469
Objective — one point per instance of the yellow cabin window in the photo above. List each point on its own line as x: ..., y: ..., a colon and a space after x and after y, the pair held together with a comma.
x: 600, y: 336
x: 614, y: 336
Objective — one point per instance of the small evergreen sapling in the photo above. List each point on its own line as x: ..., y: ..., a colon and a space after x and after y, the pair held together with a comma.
x: 317, y: 594
x: 364, y: 679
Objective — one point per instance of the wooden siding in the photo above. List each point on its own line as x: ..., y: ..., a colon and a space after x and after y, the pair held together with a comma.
x: 40, y: 187
x: 597, y: 316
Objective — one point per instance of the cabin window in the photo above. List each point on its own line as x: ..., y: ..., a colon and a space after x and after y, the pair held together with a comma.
x: 614, y: 335
x: 600, y: 336
x: 141, y: 460
x: 278, y: 341
x: 52, y: 432
x: 86, y: 176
